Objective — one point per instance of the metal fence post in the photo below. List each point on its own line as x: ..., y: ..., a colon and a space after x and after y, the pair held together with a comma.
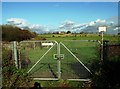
x: 59, y: 62
x: 105, y: 50
x: 19, y: 57
x: 15, y: 53
x: 102, y: 48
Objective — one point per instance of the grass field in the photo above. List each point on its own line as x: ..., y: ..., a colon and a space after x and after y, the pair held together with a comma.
x: 61, y: 37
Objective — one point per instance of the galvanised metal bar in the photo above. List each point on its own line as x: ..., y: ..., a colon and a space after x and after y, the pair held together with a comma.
x: 45, y: 78
x: 84, y: 80
x: 59, y: 62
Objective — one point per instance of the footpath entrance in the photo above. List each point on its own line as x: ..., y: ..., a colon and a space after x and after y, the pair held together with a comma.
x: 50, y: 60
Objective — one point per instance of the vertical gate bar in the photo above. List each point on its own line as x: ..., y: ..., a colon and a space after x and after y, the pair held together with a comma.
x: 59, y: 63
x: 15, y: 54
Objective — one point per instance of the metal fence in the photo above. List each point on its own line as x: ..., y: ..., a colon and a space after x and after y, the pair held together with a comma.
x: 50, y: 60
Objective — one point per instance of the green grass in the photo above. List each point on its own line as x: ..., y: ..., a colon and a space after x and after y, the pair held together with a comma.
x: 62, y: 37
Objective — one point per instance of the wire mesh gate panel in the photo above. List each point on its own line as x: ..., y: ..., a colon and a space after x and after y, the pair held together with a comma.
x: 78, y: 55
x: 38, y: 57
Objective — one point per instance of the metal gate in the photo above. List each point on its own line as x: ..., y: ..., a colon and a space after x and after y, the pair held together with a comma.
x: 40, y: 54
x: 78, y: 56
x: 50, y: 60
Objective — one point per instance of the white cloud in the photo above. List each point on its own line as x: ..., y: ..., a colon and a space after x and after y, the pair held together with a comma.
x: 39, y: 28
x: 76, y: 26
x: 92, y: 23
x: 100, y: 21
x: 72, y: 26
x: 117, y: 28
x: 68, y: 22
x: 35, y: 26
x: 67, y: 25
x: 97, y: 22
x: 18, y: 22
x: 23, y: 23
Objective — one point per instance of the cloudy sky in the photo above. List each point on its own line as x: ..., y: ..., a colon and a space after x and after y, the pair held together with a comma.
x: 50, y: 16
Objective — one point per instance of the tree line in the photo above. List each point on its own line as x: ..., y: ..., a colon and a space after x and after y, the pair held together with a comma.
x: 13, y: 33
